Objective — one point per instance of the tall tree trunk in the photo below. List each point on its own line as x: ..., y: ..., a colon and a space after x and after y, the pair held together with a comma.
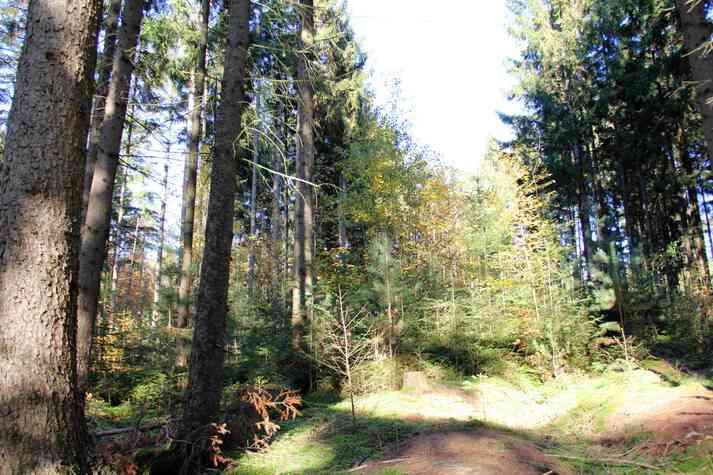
x: 188, y: 208
x: 96, y: 226
x: 298, y: 290
x: 697, y: 31
x: 114, y: 285
x: 342, y: 225
x: 253, y: 198
x: 141, y: 297
x: 276, y: 297
x: 159, y: 258
x: 42, y: 414
x: 132, y: 262
x: 693, y: 218
x: 304, y: 216
x: 102, y: 88
x: 205, y: 376
x: 583, y: 206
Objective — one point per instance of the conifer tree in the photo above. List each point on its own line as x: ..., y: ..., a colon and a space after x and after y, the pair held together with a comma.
x: 44, y: 430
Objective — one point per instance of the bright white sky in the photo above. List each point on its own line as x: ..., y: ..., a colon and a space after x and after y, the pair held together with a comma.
x: 451, y: 59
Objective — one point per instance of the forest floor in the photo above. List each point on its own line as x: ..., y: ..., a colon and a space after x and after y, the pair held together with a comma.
x: 654, y: 420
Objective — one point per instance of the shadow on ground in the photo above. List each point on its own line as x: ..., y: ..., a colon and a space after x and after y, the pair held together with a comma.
x: 621, y: 423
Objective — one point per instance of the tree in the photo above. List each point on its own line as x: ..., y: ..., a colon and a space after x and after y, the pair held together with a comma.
x: 386, y: 275
x: 205, y: 376
x: 697, y: 30
x: 347, y: 344
x: 98, y: 219
x: 159, y: 258
x: 111, y: 25
x: 195, y: 104
x: 302, y: 298
x: 40, y: 207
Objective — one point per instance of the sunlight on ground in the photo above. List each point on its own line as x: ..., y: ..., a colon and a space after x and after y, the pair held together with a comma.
x: 583, y: 414
x: 430, y: 406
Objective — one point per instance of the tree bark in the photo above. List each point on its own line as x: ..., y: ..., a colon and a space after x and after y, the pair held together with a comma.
x: 693, y: 213
x: 188, y: 209
x: 205, y: 376
x: 97, y: 223
x: 102, y: 88
x: 41, y: 410
x: 304, y: 217
x: 697, y: 31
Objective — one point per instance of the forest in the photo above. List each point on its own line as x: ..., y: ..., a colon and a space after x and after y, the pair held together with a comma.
x: 221, y: 253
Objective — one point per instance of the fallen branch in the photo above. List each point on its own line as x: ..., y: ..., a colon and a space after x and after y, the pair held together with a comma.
x: 609, y: 461
x: 123, y: 430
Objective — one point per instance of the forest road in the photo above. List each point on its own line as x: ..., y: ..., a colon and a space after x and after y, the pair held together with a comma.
x: 665, y: 417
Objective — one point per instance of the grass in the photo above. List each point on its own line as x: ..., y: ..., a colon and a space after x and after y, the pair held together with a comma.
x: 106, y: 416
x: 325, y: 442
x: 568, y: 417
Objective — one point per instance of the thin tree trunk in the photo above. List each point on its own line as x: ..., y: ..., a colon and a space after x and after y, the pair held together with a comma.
x: 253, y: 199
x: 708, y: 221
x: 102, y: 88
x: 43, y: 426
x: 96, y: 226
x: 298, y: 290
x: 697, y: 31
x: 141, y: 297
x: 159, y: 258
x: 342, y: 225
x: 114, y: 286
x: 205, y: 376
x: 188, y: 209
x: 584, y: 212
x: 276, y: 238
x: 132, y: 262
x: 304, y: 215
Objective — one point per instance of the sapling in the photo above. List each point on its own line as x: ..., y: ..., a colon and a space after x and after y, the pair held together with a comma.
x: 347, y: 340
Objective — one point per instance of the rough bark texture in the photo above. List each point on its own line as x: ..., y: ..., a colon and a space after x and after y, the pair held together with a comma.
x: 102, y: 88
x: 96, y: 226
x: 304, y: 215
x: 696, y: 34
x: 190, y: 173
x: 41, y: 411
x: 205, y: 375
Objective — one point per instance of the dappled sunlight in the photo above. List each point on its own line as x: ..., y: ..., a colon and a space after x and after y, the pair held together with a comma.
x: 577, y: 424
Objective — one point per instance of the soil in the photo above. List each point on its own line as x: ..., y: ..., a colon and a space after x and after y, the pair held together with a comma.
x: 479, y: 451
x: 674, y: 418
x: 673, y: 423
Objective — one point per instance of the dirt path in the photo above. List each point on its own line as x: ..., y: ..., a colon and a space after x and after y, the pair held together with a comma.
x: 674, y: 417
x: 479, y: 451
x: 674, y: 422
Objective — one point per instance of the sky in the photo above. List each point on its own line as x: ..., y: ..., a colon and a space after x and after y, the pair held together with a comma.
x: 451, y: 59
